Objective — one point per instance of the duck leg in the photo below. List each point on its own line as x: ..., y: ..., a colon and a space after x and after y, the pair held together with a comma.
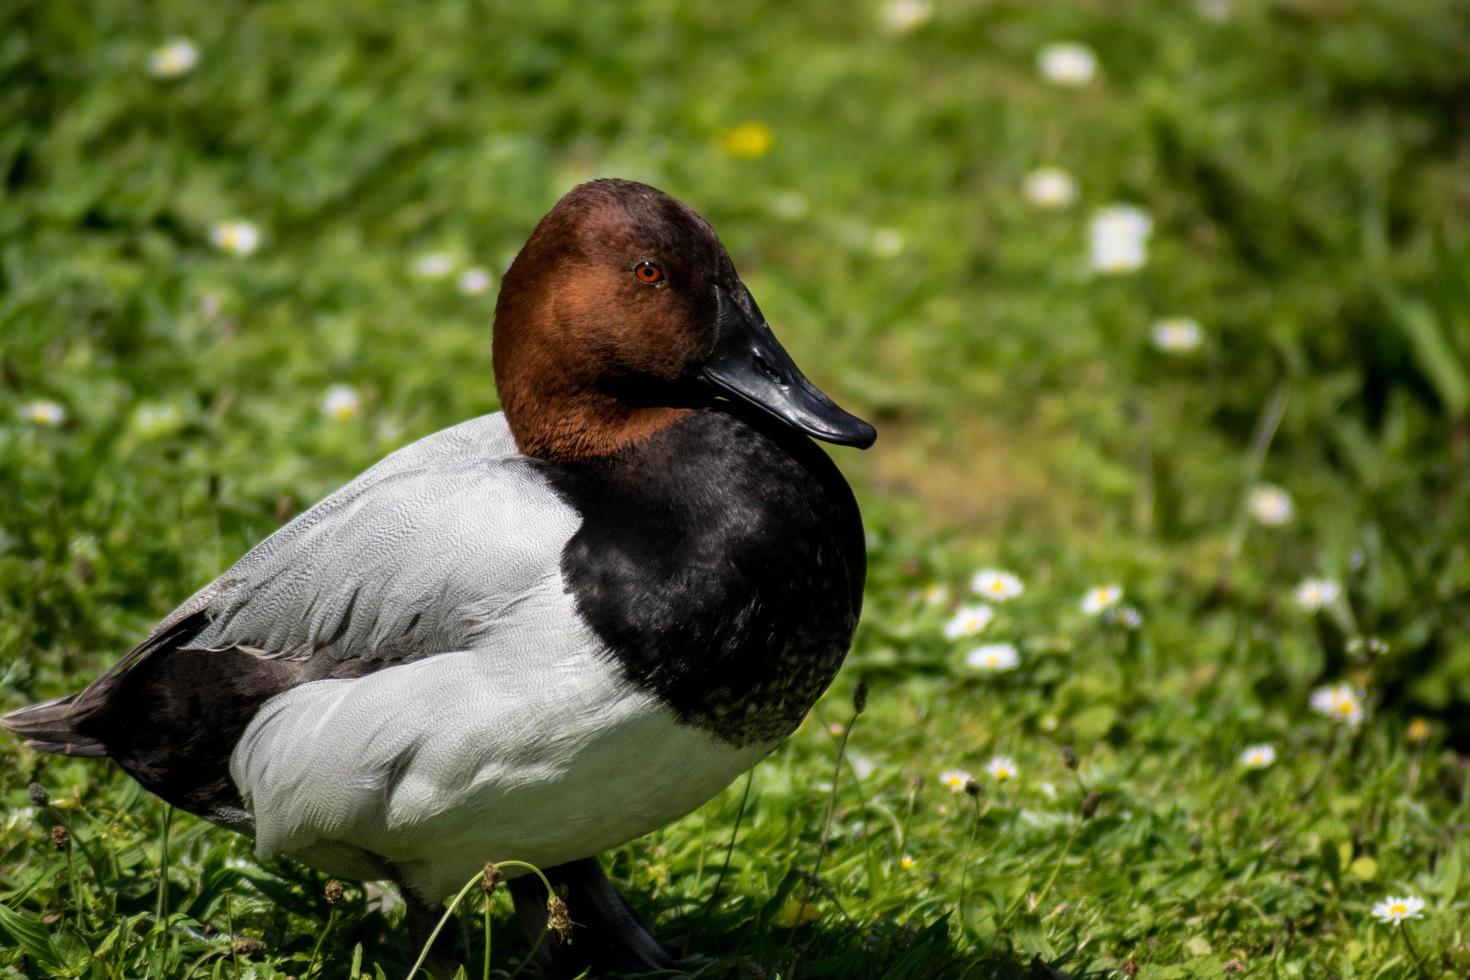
x: 607, y: 938
x: 442, y: 962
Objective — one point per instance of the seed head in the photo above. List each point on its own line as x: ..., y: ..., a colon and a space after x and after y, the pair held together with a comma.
x: 247, y: 946
x: 972, y: 787
x: 558, y: 919
x: 1196, y: 844
x: 1129, y: 968
x: 39, y: 797
x: 60, y: 837
x: 490, y: 877
x: 334, y: 891
x: 1089, y: 805
x: 1069, y: 756
x: 860, y: 697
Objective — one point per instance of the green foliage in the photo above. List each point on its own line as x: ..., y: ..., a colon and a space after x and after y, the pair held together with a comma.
x: 1304, y: 167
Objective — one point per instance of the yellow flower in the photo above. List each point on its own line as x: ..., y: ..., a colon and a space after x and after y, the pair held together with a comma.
x: 795, y: 913
x: 907, y: 863
x: 1418, y: 730
x: 748, y: 140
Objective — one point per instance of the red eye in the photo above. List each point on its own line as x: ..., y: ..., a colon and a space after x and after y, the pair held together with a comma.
x: 648, y: 273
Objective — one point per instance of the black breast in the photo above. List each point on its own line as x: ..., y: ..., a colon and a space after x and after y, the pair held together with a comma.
x: 722, y: 562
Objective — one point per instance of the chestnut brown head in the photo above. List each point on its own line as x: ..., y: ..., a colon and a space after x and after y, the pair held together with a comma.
x: 623, y: 311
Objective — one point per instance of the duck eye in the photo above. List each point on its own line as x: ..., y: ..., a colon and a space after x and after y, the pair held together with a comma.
x: 648, y: 273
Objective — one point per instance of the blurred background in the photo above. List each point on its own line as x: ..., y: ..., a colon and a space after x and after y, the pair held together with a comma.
x: 1172, y: 296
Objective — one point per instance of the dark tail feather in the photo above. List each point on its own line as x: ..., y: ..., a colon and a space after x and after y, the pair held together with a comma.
x: 50, y: 727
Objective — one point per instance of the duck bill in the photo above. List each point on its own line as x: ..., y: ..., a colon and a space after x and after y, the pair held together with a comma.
x: 750, y: 365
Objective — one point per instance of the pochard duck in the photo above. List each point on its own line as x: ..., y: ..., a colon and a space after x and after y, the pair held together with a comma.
x: 538, y: 634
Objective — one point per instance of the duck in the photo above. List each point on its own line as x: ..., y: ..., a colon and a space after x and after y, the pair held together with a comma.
x: 535, y: 635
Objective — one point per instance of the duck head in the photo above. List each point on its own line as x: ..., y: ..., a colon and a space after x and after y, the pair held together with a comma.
x: 623, y: 312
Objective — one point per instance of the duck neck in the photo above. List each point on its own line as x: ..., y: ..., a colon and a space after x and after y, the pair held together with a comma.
x: 559, y: 408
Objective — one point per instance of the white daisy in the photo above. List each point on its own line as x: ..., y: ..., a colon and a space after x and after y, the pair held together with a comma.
x: 1395, y: 911
x: 1127, y: 617
x: 43, y: 411
x: 235, y: 237
x: 886, y: 242
x: 1270, y: 505
x: 175, y: 58
x: 955, y: 779
x: 1101, y: 598
x: 1118, y: 237
x: 1258, y: 756
x: 1176, y: 335
x: 967, y: 621
x: 1067, y: 63
x: 994, y: 657
x: 1317, y: 593
x: 1050, y: 187
x: 433, y: 265
x: 341, y: 403
x: 474, y: 281
x: 996, y: 585
x: 902, y: 16
x: 1340, y: 702
x: 1002, y: 768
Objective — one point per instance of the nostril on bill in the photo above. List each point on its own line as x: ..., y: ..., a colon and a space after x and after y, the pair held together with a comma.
x: 766, y: 368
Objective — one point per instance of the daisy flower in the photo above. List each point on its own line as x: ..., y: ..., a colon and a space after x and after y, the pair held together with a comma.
x: 1101, y: 598
x: 1051, y: 188
x: 995, y: 658
x: 1317, y: 593
x: 996, y: 585
x: 1269, y: 505
x: 1067, y: 63
x: 955, y: 779
x: 341, y: 403
x: 172, y: 59
x: 1394, y: 911
x: 967, y: 621
x: 1127, y: 617
x: 1118, y: 238
x: 474, y: 281
x: 1258, y: 756
x: 1002, y: 768
x: 886, y: 242
x: 433, y: 265
x: 748, y: 140
x: 1176, y: 335
x: 235, y: 237
x: 902, y: 16
x: 43, y: 411
x: 1340, y: 702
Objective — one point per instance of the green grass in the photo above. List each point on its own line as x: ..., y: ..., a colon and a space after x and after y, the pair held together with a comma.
x: 1305, y: 165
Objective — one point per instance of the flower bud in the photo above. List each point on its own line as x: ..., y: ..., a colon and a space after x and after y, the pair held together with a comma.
x: 39, y: 797
x: 490, y: 877
x: 60, y: 837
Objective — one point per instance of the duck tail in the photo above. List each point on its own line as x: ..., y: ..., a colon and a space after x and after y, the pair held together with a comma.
x: 51, y: 727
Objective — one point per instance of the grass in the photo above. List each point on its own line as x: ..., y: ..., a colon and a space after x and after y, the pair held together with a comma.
x: 1305, y: 168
